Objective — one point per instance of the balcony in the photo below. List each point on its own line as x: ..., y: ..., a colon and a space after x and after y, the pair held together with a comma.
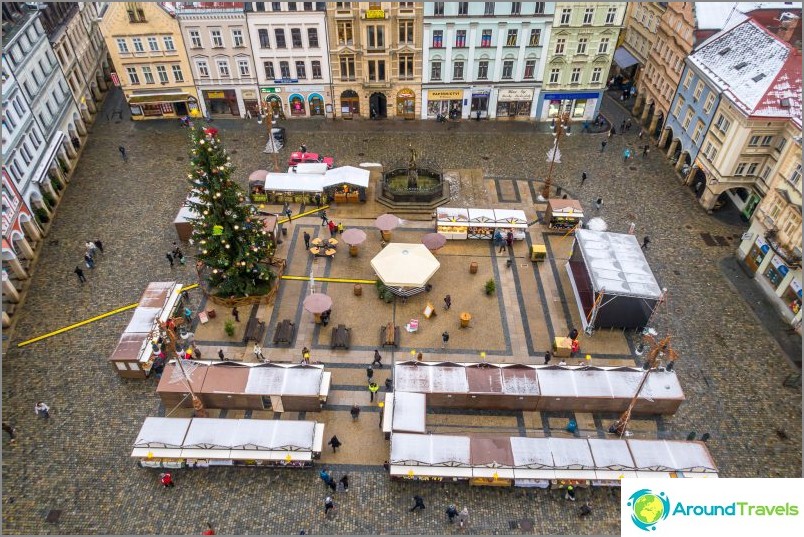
x: 791, y: 255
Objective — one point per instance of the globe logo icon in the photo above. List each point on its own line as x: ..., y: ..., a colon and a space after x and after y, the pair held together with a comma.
x: 648, y: 508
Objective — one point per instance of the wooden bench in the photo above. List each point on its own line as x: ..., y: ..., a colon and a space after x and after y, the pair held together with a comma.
x: 389, y: 335
x: 340, y: 337
x: 284, y: 332
x: 255, y: 330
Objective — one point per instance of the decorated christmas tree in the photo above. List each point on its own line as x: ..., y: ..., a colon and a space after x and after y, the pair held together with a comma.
x: 232, y: 243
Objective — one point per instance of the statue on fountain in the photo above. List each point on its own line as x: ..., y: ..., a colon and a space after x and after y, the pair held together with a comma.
x: 413, y: 173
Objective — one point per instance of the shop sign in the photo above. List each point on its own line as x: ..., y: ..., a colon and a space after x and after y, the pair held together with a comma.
x: 375, y: 13
x: 763, y: 246
x: 215, y: 95
x: 406, y: 94
x: 249, y: 94
x: 562, y: 96
x: 795, y: 285
x: 259, y: 197
x: 444, y: 95
x: 515, y: 94
x: 115, y: 79
x: 480, y: 93
x: 286, y: 81
x: 781, y: 268
x: 270, y: 90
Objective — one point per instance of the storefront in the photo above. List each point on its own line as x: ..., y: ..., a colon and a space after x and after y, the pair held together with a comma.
x: 563, y: 214
x: 776, y: 271
x: 272, y: 101
x: 162, y: 105
x: 406, y: 104
x: 251, y: 102
x: 221, y: 102
x: 298, y: 107
x: 480, y: 103
x: 792, y: 296
x: 514, y: 102
x: 316, y: 102
x: 448, y: 102
x: 350, y: 104
x: 756, y: 255
x: 581, y: 105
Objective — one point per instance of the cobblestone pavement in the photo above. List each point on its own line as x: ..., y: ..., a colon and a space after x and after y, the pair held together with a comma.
x: 78, y: 461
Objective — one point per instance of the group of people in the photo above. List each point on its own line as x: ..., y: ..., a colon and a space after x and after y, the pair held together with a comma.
x: 175, y: 255
x: 92, y: 249
x: 503, y: 242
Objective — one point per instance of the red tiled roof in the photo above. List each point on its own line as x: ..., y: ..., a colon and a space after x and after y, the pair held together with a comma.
x: 783, y: 97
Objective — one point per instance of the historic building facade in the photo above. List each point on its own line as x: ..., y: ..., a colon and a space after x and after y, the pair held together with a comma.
x: 375, y: 51
x: 484, y: 59
x: 639, y: 34
x: 579, y: 55
x: 145, y: 43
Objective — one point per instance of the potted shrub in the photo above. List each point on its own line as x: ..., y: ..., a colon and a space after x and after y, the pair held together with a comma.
x: 490, y: 287
x: 229, y: 327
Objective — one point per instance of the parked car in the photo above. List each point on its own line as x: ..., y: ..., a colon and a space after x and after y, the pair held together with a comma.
x: 297, y: 157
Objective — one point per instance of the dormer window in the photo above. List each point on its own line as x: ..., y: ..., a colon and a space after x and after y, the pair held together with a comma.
x: 759, y: 77
x: 724, y: 51
x: 740, y: 65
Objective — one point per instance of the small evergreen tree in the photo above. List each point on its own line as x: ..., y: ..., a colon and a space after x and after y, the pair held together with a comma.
x: 231, y: 241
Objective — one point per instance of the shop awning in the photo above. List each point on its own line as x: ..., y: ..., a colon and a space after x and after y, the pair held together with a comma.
x: 624, y: 59
x: 158, y: 98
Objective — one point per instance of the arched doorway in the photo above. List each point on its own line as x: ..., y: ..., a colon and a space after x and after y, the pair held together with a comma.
x: 378, y: 104
x: 316, y: 104
x: 297, y: 106
x: 274, y: 104
x: 350, y: 104
x: 698, y: 182
x: 406, y: 104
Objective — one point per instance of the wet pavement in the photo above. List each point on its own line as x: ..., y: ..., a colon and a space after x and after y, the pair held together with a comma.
x: 78, y: 462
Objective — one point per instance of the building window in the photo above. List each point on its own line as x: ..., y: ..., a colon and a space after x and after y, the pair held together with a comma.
x: 698, y: 90
x: 345, y: 33
x: 795, y: 177
x: 488, y: 9
x: 508, y: 69
x: 291, y: 5
x: 766, y: 141
x: 463, y: 8
x: 485, y: 38
x: 516, y: 8
x: 710, y: 100
x: 376, y: 69
x: 535, y: 37
x: 405, y: 5
x: 312, y: 37
x: 341, y: 6
x: 276, y: 6
x: 153, y: 44
x: 217, y: 38
x: 132, y: 75
x: 438, y: 9
x: 554, y: 75
x: 202, y: 68
x: 301, y: 70
x: 136, y: 15
x: 687, y: 119
x: 122, y: 46
x: 710, y: 151
x: 435, y: 71
x: 575, y: 75
x: 765, y: 173
x: 284, y: 70
x: 752, y: 169
x: 603, y: 47
x: 242, y: 67
x: 511, y: 39
x: 597, y: 74
x: 223, y: 68
x: 169, y: 46
x: 539, y: 9
x: 588, y: 15
x: 237, y: 38
x: 406, y: 66
x: 438, y: 38
x: 582, y: 43
x: 147, y: 75
x: 530, y: 69
x: 262, y: 33
x: 347, y: 67
x: 688, y: 79
x: 316, y: 69
x: 376, y: 36
x: 699, y: 127
x: 483, y: 70
x: 753, y: 142
x: 279, y: 35
x: 740, y: 170
x: 560, y: 43
x: 460, y: 38
x: 457, y: 71
x: 405, y: 31
x: 308, y: 6
x: 269, y: 70
x: 781, y: 144
x: 611, y: 15
x: 565, y: 16
x: 295, y: 37
x: 178, y: 76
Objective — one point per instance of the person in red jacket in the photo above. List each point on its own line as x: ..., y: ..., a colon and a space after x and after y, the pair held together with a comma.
x: 166, y: 479
x: 209, y: 530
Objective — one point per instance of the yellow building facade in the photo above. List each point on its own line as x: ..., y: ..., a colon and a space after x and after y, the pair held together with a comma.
x: 375, y: 51
x: 150, y: 60
x: 640, y: 29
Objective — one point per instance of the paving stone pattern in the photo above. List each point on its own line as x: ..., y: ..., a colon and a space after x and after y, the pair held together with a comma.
x: 78, y: 461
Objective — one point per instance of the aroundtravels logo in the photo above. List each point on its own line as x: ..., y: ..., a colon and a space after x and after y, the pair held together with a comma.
x: 648, y: 508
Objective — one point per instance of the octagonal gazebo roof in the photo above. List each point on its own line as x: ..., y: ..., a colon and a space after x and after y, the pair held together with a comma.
x: 405, y: 265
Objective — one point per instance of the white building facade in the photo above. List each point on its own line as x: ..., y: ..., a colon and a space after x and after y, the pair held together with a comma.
x: 484, y: 59
x: 291, y: 52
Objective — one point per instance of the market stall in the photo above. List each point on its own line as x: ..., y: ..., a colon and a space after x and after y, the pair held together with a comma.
x: 513, y: 220
x: 346, y: 184
x: 204, y: 442
x: 247, y: 386
x: 406, y: 411
x: 256, y: 186
x: 481, y: 223
x: 270, y: 223
x: 133, y: 356
x: 301, y: 185
x: 611, y: 280
x: 563, y: 214
x: 452, y: 223
x: 184, y: 220
x: 459, y: 223
x: 292, y: 187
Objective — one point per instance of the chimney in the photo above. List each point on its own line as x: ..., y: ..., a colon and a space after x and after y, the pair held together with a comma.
x: 787, y: 26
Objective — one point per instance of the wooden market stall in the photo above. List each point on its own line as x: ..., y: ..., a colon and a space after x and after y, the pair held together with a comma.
x: 482, y: 223
x: 461, y: 223
x: 563, y: 214
x: 184, y: 220
x: 453, y: 223
x: 247, y: 386
x: 133, y: 355
x: 346, y: 184
x: 204, y: 442
x: 513, y: 220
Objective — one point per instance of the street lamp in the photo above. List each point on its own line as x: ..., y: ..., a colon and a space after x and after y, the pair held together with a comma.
x: 561, y: 128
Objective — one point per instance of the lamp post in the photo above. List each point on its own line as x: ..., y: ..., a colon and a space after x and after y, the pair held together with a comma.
x: 561, y: 128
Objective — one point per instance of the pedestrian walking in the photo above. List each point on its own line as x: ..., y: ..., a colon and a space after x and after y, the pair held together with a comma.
x: 628, y: 124
x: 209, y: 530
x: 12, y: 432
x: 452, y: 513
x: 370, y: 373
x: 332, y: 228
x: 258, y: 353
x: 80, y: 273
x: 622, y: 127
x: 373, y: 387
x: 377, y: 359
x: 99, y: 245
x: 90, y: 246
x: 220, y: 354
x: 289, y: 213
x: 318, y: 200
x: 42, y: 410
x: 306, y: 241
x: 344, y: 481
x: 335, y: 443
x: 641, y: 133
x: 547, y: 357
x: 323, y: 215
x: 355, y: 412
x: 444, y: 339
x: 463, y: 517
x: 170, y: 259
x: 305, y: 356
x: 631, y: 228
x: 418, y: 503
x: 236, y: 314
x: 180, y: 256
x: 303, y: 148
x: 340, y: 228
x: 586, y: 509
x: 389, y: 384
x: 625, y: 154
x: 324, y: 475
x: 598, y: 203
x: 612, y: 131
x: 447, y: 302
x: 583, y: 177
x: 645, y: 242
x: 329, y: 505
x: 166, y: 479
x: 89, y: 261
x: 509, y: 239
x: 603, y: 145
x: 498, y: 238
x: 573, y: 334
x: 123, y: 153
x: 570, y: 494
x: 645, y: 150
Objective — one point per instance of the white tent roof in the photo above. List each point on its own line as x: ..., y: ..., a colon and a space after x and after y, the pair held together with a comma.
x: 294, y: 182
x: 431, y: 378
x: 186, y: 213
x: 284, y: 381
x: 481, y: 215
x: 405, y: 265
x: 669, y: 455
x: 612, y: 454
x: 143, y: 320
x: 452, y: 214
x: 409, y: 412
x: 318, y: 168
x: 531, y: 452
x: 347, y: 174
x: 211, y: 433
x: 510, y: 216
x: 430, y: 449
x: 571, y: 453
x: 162, y: 433
x: 617, y: 264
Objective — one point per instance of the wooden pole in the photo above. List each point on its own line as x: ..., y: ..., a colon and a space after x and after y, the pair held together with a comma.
x: 561, y: 124
x: 198, y: 406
